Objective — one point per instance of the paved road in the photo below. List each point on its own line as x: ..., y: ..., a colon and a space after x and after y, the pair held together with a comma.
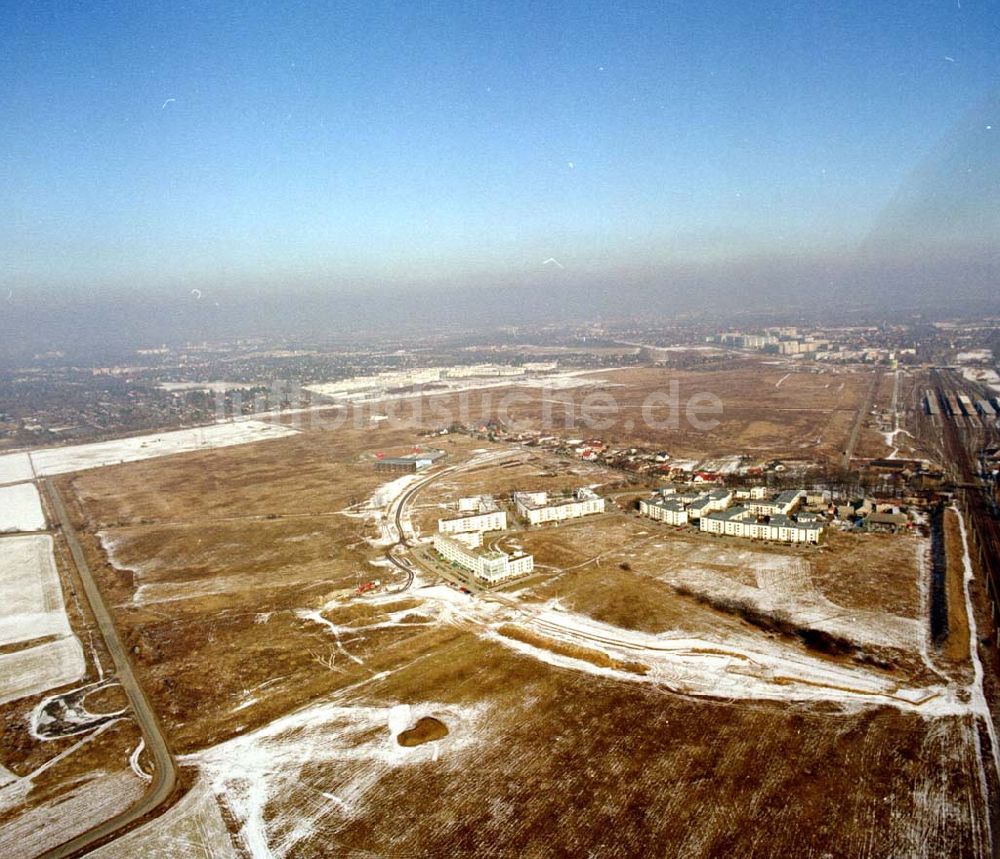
x: 165, y: 768
x: 407, y: 497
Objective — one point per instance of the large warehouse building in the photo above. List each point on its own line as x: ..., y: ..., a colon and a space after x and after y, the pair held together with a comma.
x: 411, y: 462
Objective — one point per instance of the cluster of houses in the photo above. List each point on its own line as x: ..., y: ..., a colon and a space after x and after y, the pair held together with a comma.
x: 637, y: 460
x: 868, y: 515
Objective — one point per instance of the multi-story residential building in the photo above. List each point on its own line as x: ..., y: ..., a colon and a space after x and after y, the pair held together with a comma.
x: 710, y: 502
x: 784, y: 503
x: 477, y: 513
x: 742, y: 522
x: 679, y: 509
x: 537, y: 507
x: 673, y: 511
x: 491, y: 567
x: 493, y: 521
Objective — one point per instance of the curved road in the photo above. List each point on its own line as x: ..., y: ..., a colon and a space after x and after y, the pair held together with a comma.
x: 405, y: 499
x: 165, y: 768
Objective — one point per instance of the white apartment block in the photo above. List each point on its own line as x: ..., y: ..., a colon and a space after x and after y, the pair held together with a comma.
x: 495, y: 521
x: 784, y: 503
x: 537, y: 508
x: 754, y: 492
x: 674, y: 509
x: 742, y: 522
x: 710, y: 502
x: 469, y: 539
x: 668, y: 510
x: 490, y: 567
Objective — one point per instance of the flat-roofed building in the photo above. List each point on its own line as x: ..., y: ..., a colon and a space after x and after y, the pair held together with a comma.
x: 411, y: 462
x: 489, y: 566
x: 538, y: 508
x: 495, y: 521
x: 754, y: 492
x: 784, y: 502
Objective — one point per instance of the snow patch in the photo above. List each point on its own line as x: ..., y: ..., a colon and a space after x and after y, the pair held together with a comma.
x: 61, y: 460
x: 21, y: 508
x: 319, y: 762
x: 15, y: 468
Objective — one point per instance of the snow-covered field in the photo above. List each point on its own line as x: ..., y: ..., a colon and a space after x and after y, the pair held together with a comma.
x: 36, y: 669
x: 21, y: 508
x: 783, y: 583
x: 31, y: 608
x: 192, y: 829
x: 61, y: 460
x: 31, y: 600
x: 15, y: 468
x: 723, y: 465
x: 315, y: 768
x: 320, y: 770
x: 755, y: 668
x: 45, y: 826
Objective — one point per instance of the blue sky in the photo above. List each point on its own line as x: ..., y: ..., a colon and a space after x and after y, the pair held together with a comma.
x: 152, y: 146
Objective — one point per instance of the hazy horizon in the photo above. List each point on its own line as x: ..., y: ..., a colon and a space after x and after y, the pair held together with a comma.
x: 248, y: 153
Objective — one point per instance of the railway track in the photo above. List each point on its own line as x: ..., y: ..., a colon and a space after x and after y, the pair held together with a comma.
x: 962, y: 440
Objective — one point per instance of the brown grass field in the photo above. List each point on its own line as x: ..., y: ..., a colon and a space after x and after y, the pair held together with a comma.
x: 231, y: 570
x: 767, y: 410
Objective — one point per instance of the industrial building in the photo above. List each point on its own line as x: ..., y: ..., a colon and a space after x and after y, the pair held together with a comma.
x: 409, y: 463
x: 472, y: 371
x: 490, y: 566
x: 537, y: 507
x: 484, y: 516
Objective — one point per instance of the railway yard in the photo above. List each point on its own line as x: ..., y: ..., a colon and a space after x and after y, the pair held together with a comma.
x: 265, y: 655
